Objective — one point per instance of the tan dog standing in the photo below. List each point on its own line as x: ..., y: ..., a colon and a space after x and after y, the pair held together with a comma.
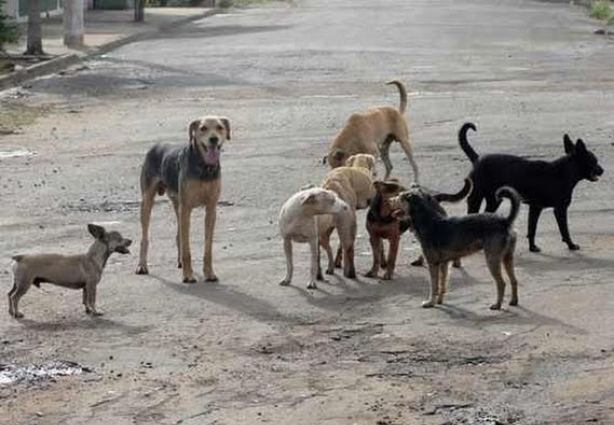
x: 191, y: 176
x: 82, y: 271
x: 355, y: 186
x: 372, y: 132
x: 362, y: 160
x: 297, y: 224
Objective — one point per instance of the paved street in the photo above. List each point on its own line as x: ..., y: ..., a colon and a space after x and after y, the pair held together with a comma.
x: 247, y: 351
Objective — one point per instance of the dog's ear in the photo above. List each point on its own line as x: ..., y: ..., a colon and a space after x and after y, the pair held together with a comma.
x: 569, y: 146
x: 96, y: 231
x: 350, y: 161
x: 338, y: 155
x: 192, y: 129
x: 580, y: 146
x: 309, y: 199
x: 226, y: 123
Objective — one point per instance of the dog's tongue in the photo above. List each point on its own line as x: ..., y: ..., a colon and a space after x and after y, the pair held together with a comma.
x: 212, y: 155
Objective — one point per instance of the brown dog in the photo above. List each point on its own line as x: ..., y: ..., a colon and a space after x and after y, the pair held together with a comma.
x: 354, y: 186
x: 191, y: 176
x: 383, y: 224
x: 372, y: 132
x: 362, y: 160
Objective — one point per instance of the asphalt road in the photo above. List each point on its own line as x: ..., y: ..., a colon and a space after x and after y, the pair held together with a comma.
x: 246, y: 350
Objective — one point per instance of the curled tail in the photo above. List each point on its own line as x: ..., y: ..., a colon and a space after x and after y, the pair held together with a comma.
x: 464, y: 144
x: 512, y: 195
x: 458, y: 196
x: 402, y: 94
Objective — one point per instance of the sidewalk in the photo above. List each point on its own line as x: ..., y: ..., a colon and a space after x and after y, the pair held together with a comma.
x: 104, y: 31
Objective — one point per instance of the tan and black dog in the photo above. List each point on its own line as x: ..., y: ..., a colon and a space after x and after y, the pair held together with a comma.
x: 82, y: 271
x: 191, y: 177
x: 444, y: 239
x: 372, y: 132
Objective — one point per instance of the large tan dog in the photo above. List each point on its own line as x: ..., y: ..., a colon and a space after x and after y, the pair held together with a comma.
x: 354, y: 185
x: 191, y: 176
x: 372, y: 132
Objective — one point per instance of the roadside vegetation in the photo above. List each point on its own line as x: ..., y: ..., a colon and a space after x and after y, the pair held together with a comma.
x: 241, y: 3
x: 601, y: 9
x: 8, y: 29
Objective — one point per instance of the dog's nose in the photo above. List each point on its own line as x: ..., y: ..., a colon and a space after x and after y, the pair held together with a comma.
x: 128, y: 242
x: 214, y: 139
x: 599, y: 171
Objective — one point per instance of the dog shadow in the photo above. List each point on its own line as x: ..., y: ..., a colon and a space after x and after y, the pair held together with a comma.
x: 230, y: 298
x: 87, y: 323
x: 573, y: 261
x: 517, y: 315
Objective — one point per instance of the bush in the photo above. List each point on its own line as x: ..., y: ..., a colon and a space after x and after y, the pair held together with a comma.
x: 8, y: 29
x: 600, y: 9
x: 223, y: 3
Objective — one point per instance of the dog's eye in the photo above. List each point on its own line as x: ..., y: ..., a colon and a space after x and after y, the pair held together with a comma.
x: 219, y: 128
x: 203, y: 128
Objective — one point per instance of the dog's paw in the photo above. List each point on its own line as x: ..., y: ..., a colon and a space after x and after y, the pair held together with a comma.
x: 312, y: 285
x: 17, y: 315
x: 534, y: 248
x: 495, y: 306
x: 428, y: 304
x: 514, y: 301
x: 371, y: 273
x: 418, y: 263
x: 211, y: 278
x: 189, y: 279
x: 330, y: 271
x: 97, y: 313
x: 457, y: 264
x: 573, y: 247
x: 387, y: 276
x: 440, y: 299
x: 351, y: 274
x: 142, y: 269
x: 284, y: 282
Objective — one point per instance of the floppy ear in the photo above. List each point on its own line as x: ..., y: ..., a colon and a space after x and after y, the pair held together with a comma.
x: 226, y: 123
x: 192, y: 129
x: 580, y: 146
x: 350, y: 161
x: 569, y: 146
x: 96, y: 231
x: 310, y: 199
x: 338, y: 155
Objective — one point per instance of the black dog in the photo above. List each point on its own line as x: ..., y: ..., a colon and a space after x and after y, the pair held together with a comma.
x: 541, y: 184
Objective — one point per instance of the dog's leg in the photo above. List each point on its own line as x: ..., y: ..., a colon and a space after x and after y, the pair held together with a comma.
x: 393, y: 249
x: 339, y: 257
x: 384, y: 153
x: 315, y: 252
x: 289, y: 265
x: 376, y: 250
x: 22, y: 286
x: 383, y: 261
x: 561, y: 219
x: 474, y: 201
x: 175, y: 203
x: 210, y: 216
x: 184, y: 239
x: 406, y: 145
x: 494, y: 260
x: 434, y: 272
x: 534, y: 213
x: 444, y: 269
x: 91, y: 295
x: 325, y: 243
x: 86, y: 300
x: 508, y: 262
x: 147, y: 201
x: 419, y: 262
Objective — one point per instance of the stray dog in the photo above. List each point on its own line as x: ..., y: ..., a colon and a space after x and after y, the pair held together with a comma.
x: 445, y: 238
x: 382, y: 224
x: 82, y: 271
x: 439, y: 197
x: 191, y: 176
x: 297, y: 224
x: 355, y: 186
x: 372, y: 132
x: 362, y: 160
x: 541, y: 184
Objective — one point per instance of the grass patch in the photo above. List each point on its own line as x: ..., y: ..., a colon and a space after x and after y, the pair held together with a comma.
x: 600, y: 9
x: 611, y: 20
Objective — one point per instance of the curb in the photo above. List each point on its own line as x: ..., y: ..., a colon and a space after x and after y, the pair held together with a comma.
x: 59, y: 63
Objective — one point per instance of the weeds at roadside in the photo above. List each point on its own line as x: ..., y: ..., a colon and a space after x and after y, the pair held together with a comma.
x: 601, y: 10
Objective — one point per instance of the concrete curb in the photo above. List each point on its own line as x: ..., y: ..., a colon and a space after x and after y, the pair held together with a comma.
x: 64, y: 61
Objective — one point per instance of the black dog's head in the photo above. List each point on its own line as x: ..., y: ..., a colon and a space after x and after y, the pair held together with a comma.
x: 586, y: 161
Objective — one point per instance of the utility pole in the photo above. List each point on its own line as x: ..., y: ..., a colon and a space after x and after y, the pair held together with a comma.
x: 73, y: 23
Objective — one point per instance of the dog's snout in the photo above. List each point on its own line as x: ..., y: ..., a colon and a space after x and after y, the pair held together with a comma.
x: 214, y: 139
x: 127, y: 242
x: 599, y: 170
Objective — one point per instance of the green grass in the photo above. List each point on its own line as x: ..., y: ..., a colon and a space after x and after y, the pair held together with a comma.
x: 600, y: 9
x: 611, y: 20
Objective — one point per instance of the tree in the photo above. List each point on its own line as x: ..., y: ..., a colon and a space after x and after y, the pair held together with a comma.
x: 139, y: 10
x: 8, y: 29
x: 35, y: 36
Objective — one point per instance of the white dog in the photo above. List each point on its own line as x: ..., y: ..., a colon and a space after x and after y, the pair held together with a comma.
x: 297, y: 224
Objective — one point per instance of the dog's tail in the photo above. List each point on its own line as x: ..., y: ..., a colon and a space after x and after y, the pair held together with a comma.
x: 464, y: 144
x: 402, y: 93
x: 455, y: 197
x: 512, y: 195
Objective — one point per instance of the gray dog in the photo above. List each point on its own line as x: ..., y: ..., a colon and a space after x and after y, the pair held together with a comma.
x: 81, y: 271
